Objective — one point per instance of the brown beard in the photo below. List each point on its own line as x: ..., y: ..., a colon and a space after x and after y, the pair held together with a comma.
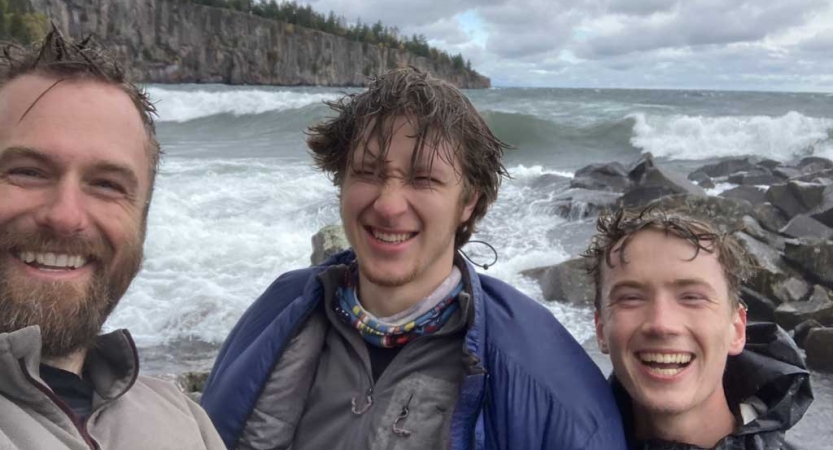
x: 70, y: 314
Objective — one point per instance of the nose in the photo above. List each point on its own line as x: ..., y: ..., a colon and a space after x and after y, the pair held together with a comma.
x: 64, y: 211
x: 662, y: 316
x: 392, y: 200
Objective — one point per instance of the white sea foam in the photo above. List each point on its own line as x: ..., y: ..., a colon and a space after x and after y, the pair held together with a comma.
x: 521, y: 172
x: 183, y: 105
x: 221, y: 230
x: 699, y: 137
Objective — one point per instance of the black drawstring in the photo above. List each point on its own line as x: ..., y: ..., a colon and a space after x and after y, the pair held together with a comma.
x: 483, y: 266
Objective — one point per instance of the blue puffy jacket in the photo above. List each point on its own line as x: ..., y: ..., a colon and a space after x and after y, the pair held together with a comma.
x: 538, y: 388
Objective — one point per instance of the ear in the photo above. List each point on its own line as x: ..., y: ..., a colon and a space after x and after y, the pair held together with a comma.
x: 738, y: 331
x: 468, y: 208
x: 600, y: 335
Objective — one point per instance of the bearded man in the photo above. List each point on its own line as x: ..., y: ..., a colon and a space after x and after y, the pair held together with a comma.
x: 78, y: 156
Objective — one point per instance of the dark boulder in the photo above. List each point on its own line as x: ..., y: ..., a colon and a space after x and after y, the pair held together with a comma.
x: 751, y: 194
x: 813, y: 164
x: 806, y: 226
x: 567, y: 282
x: 796, y: 197
x: 758, y: 306
x: 786, y: 172
x: 651, y: 182
x: 819, y: 348
x: 822, y: 177
x: 637, y: 172
x: 813, y: 256
x: 770, y: 270
x: 802, y: 330
x: 755, y: 176
x: 727, y: 167
x: 818, y: 307
x: 770, y: 164
x: 604, y: 177
x: 702, y: 180
x: 770, y: 217
x: 328, y: 241
x: 640, y: 196
x: 577, y: 204
x: 550, y: 181
x: 192, y: 384
x: 754, y: 229
x: 790, y: 290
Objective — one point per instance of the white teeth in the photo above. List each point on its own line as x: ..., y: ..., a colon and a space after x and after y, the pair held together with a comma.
x: 665, y: 372
x: 52, y: 260
x: 666, y: 358
x: 391, y: 238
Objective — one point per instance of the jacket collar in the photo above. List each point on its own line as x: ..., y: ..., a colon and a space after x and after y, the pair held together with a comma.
x: 112, y: 365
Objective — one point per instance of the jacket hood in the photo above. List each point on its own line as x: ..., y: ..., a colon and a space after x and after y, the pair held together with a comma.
x: 769, y: 375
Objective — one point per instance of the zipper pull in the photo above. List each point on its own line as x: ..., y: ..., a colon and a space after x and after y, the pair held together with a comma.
x: 368, y: 402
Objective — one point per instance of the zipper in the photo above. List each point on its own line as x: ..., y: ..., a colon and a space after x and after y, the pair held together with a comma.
x: 80, y: 427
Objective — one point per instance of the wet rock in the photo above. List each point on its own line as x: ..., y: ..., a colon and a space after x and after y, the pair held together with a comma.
x: 803, y: 329
x: 755, y: 176
x: 813, y: 256
x: 796, y: 197
x: 639, y: 169
x: 754, y: 229
x: 751, y: 194
x: 819, y: 347
x: 770, y: 164
x: 551, y: 181
x: 770, y: 269
x: 803, y: 225
x: 813, y: 164
x: 818, y: 307
x: 327, y: 242
x: 192, y: 384
x: 604, y: 177
x: 793, y: 289
x: 577, y: 204
x: 567, y: 282
x: 824, y: 177
x: 758, y: 306
x: 727, y: 167
x: 787, y: 172
x: 640, y: 196
x: 702, y: 180
x: 770, y: 217
x: 725, y: 213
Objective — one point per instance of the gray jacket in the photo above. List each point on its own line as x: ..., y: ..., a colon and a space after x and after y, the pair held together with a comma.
x: 128, y: 412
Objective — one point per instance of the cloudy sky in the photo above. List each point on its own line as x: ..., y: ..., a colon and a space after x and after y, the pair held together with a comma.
x: 784, y: 45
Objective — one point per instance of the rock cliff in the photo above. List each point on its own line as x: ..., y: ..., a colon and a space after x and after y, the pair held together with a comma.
x: 175, y: 41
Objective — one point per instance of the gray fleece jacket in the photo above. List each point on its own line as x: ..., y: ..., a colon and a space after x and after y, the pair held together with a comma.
x: 129, y: 412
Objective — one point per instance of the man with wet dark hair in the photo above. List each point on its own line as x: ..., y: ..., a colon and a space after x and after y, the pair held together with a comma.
x: 689, y: 372
x: 78, y: 155
x: 399, y: 343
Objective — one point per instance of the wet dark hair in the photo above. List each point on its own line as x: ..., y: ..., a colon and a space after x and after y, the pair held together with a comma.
x: 617, y: 229
x: 440, y: 114
x: 66, y: 60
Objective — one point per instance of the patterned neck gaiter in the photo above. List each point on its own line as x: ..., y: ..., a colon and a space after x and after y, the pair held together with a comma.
x: 398, y: 330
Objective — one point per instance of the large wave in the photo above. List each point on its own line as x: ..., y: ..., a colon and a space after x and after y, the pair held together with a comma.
x: 185, y: 105
x: 699, y: 137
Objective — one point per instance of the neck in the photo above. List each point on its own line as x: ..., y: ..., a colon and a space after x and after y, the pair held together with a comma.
x: 704, y: 427
x: 385, y: 301
x: 74, y: 362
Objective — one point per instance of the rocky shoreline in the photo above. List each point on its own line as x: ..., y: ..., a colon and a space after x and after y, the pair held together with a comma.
x: 781, y: 213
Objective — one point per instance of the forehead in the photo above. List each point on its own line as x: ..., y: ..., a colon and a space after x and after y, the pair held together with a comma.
x: 73, y: 121
x: 399, y: 141
x: 656, y: 256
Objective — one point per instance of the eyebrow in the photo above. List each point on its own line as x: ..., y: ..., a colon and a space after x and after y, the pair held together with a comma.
x: 627, y: 284
x: 13, y: 153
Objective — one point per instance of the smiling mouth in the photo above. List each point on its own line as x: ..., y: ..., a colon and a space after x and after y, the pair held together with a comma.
x: 390, y: 238
x: 51, y: 261
x: 665, y: 364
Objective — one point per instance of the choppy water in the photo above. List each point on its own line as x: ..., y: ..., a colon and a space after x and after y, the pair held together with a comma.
x: 237, y: 200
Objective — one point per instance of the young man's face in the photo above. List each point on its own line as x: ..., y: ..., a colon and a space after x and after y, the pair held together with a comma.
x: 667, y: 322
x: 74, y: 179
x: 403, y: 231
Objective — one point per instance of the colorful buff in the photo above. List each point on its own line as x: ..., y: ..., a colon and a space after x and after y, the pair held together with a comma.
x: 382, y: 334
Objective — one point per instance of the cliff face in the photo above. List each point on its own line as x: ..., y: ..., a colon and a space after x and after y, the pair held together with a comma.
x: 170, y: 41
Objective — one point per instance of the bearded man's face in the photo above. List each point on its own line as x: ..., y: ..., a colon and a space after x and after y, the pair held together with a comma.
x: 74, y: 182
